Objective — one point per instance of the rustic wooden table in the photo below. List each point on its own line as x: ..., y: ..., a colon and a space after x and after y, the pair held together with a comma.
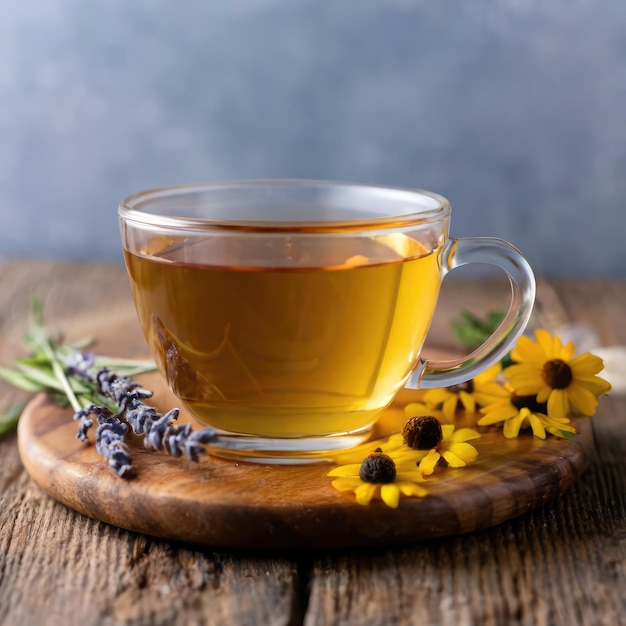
x: 562, y: 564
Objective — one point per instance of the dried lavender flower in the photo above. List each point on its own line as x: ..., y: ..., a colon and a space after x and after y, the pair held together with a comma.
x: 140, y: 416
x: 119, y: 389
x: 84, y: 423
x: 111, y: 445
x: 175, y: 437
x: 79, y: 364
x: 193, y: 443
x: 158, y: 429
x: 120, y: 461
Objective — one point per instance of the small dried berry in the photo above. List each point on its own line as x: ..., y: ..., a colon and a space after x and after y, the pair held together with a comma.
x: 422, y: 433
x: 378, y: 468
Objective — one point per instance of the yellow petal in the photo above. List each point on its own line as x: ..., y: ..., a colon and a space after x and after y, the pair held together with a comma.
x: 365, y: 492
x: 489, y: 393
x: 428, y: 463
x: 558, y: 403
x: 358, y: 453
x: 345, y: 470
x: 464, y: 434
x: 407, y: 458
x: 449, y: 407
x: 558, y: 429
x: 544, y: 393
x: 446, y: 431
x: 411, y: 489
x: 493, y: 417
x: 436, y: 396
x: 523, y: 375
x: 453, y: 460
x: 390, y: 495
x: 464, y: 452
x: 567, y: 352
x: 524, y: 380
x: 468, y: 401
x: 526, y: 350
x: 596, y: 385
x: 524, y: 389
x: 410, y: 476
x: 586, y: 365
x: 395, y: 441
x: 550, y: 345
x: 488, y: 375
x: 418, y: 409
x: 346, y: 484
x: 512, y: 426
x: 582, y: 399
x: 502, y: 404
x: 537, y: 426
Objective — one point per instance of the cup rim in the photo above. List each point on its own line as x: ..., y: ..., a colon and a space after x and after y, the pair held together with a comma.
x: 131, y: 209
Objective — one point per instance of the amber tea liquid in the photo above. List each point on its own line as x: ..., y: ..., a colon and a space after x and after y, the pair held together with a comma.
x: 302, y: 339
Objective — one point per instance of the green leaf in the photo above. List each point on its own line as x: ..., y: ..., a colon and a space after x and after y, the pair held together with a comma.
x: 40, y: 375
x: 44, y: 378
x: 473, y: 331
x: 44, y: 368
x: 10, y: 416
x: 20, y: 380
x: 566, y: 434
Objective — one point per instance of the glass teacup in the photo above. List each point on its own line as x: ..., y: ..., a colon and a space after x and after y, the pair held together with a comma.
x: 288, y: 314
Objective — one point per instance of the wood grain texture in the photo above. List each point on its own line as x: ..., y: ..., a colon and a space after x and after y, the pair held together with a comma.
x: 245, y: 505
x: 561, y: 564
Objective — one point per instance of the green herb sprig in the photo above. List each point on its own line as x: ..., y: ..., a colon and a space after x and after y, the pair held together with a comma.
x: 46, y: 370
x: 472, y: 331
x: 89, y: 385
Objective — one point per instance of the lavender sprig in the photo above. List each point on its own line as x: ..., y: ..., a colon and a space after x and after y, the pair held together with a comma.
x: 158, y: 429
x: 87, y: 383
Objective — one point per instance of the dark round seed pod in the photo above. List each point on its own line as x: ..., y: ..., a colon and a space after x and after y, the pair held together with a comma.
x: 422, y: 433
x: 378, y: 468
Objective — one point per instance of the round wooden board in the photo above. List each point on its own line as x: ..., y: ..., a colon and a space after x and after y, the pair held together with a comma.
x: 229, y: 504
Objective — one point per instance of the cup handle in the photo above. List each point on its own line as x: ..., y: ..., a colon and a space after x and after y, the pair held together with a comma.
x: 456, y: 252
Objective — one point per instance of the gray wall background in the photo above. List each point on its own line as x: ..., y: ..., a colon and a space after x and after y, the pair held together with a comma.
x: 513, y: 109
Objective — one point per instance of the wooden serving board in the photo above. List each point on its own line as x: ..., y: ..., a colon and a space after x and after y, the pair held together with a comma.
x: 231, y: 504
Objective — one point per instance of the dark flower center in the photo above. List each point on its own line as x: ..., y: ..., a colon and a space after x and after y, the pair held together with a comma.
x: 422, y: 433
x: 378, y: 468
x: 557, y: 374
x: 467, y: 386
x: 529, y: 402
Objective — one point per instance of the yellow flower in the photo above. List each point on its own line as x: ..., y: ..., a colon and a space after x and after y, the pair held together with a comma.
x: 420, y: 409
x: 358, y: 453
x: 453, y: 449
x: 480, y: 390
x: 548, y: 370
x: 403, y: 482
x: 517, y: 412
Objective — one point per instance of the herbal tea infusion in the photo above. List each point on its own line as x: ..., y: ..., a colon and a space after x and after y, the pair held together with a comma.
x: 315, y: 339
x: 287, y: 314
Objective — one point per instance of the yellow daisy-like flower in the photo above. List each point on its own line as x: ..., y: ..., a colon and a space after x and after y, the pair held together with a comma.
x: 547, y: 369
x: 404, y: 482
x: 480, y: 390
x: 517, y: 412
x: 453, y: 449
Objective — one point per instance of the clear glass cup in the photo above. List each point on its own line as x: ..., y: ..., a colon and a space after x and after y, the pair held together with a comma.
x: 288, y: 314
